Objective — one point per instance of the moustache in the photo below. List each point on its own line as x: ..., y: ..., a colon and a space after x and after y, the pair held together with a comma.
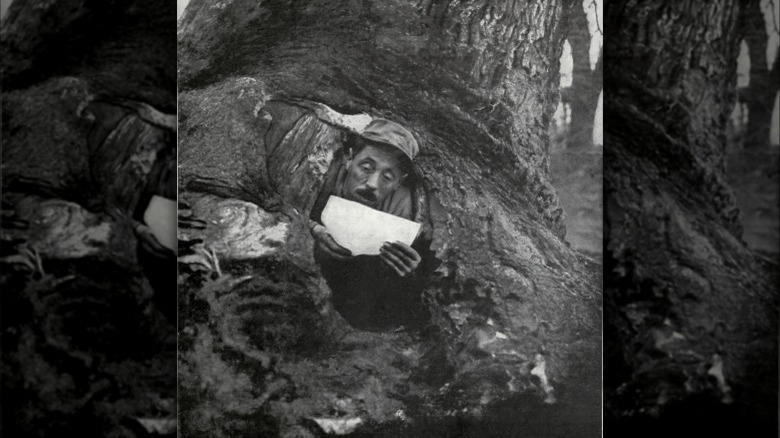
x: 366, y: 194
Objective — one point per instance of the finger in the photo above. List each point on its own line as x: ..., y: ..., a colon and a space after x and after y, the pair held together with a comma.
x: 152, y: 241
x: 327, y: 251
x: 335, y: 247
x: 400, y: 255
x: 168, y: 253
x: 151, y: 244
x: 405, y: 249
x: 399, y: 269
x: 162, y: 251
x: 395, y: 262
x: 330, y: 253
x: 152, y: 249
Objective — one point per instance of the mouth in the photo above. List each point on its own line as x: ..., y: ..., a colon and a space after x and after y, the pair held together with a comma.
x: 365, y: 198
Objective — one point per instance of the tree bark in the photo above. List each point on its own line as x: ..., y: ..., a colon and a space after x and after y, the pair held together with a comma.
x: 123, y: 49
x: 683, y: 295
x: 476, y: 82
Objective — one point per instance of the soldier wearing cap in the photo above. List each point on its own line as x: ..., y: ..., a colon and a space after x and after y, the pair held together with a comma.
x: 368, y: 290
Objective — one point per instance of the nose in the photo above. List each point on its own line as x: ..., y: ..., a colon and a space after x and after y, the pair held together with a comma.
x: 373, y: 180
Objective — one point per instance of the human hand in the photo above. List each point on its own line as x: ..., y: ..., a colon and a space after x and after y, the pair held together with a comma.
x: 400, y: 256
x: 325, y: 243
x: 150, y: 244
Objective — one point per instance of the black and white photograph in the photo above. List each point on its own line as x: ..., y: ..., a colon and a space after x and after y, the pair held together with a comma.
x: 88, y: 255
x: 374, y: 199
x: 389, y: 218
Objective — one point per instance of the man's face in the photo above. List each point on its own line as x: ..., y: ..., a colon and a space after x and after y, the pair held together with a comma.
x: 372, y: 174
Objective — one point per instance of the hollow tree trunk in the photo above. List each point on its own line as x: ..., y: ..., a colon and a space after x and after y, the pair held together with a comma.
x: 684, y: 297
x: 476, y: 82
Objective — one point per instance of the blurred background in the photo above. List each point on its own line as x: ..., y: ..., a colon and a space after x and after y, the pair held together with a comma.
x: 753, y: 138
x: 576, y: 152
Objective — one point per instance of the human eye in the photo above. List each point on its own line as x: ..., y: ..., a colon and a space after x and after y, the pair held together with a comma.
x: 366, y: 166
x: 388, y: 176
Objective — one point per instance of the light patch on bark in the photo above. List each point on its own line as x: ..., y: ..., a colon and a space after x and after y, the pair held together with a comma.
x: 64, y: 230
x: 353, y: 122
x: 222, y: 4
x: 716, y: 370
x: 151, y: 115
x: 338, y: 426
x: 692, y: 246
x: 524, y: 248
x: 44, y: 5
x: 142, y: 161
x: 540, y: 371
x: 320, y: 160
x: 241, y: 230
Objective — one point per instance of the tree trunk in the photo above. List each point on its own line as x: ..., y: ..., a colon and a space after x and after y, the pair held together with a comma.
x: 476, y: 82
x: 691, y: 330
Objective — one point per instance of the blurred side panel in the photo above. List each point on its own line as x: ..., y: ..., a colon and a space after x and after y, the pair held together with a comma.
x: 88, y: 156
x: 690, y: 228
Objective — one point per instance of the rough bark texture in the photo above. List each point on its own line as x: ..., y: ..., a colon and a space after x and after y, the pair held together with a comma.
x: 85, y: 349
x: 476, y: 82
x: 125, y: 49
x: 691, y: 330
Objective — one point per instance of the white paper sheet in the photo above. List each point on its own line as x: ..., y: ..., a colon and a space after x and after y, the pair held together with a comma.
x: 362, y: 229
x: 161, y: 218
